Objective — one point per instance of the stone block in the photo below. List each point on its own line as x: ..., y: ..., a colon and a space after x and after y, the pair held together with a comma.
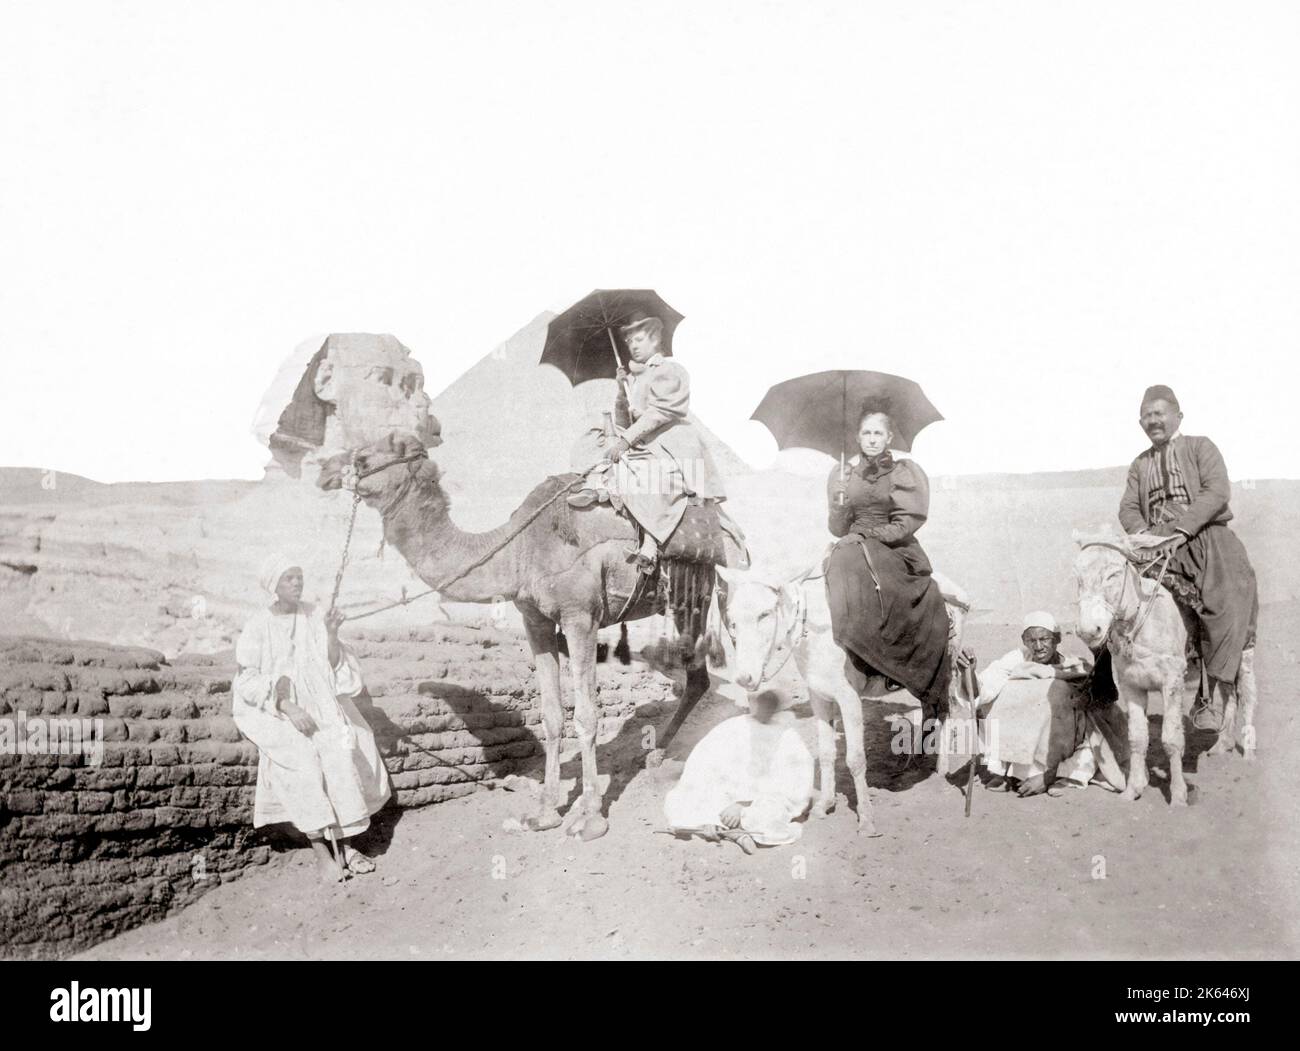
x: 94, y: 802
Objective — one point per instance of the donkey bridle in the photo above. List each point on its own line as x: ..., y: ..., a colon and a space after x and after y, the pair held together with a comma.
x: 1144, y: 605
x: 781, y: 640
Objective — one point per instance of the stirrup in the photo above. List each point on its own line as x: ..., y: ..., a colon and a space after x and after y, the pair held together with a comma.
x: 1208, y: 717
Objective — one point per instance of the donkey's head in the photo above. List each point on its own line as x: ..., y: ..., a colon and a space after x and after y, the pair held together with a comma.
x: 754, y: 617
x: 1101, y: 571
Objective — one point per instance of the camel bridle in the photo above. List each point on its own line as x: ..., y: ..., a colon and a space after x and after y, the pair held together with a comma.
x: 402, y: 490
x: 358, y: 475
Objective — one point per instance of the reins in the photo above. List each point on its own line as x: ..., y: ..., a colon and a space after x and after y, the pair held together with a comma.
x: 461, y: 573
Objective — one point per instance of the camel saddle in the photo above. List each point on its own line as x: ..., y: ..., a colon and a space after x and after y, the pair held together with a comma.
x: 698, y: 537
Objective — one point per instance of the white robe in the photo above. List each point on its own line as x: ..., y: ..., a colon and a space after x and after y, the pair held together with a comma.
x: 334, y: 778
x: 744, y: 760
x: 1017, y: 723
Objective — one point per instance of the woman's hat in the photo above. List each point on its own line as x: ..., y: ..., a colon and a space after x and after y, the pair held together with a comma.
x: 639, y: 320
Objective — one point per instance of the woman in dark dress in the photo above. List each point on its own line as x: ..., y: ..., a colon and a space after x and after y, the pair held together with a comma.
x: 886, y: 610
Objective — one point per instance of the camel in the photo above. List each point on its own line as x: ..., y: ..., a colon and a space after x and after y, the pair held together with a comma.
x: 766, y: 624
x: 1140, y: 624
x: 564, y: 568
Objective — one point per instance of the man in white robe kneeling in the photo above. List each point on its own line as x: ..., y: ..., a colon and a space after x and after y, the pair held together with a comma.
x: 1036, y: 732
x: 749, y: 779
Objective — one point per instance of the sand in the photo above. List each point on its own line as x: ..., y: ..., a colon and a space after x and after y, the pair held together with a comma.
x: 1018, y: 878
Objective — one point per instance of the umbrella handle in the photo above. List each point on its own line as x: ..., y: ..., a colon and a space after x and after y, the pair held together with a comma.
x: 618, y: 364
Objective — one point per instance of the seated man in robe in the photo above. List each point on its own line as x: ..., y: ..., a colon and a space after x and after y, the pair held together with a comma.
x: 748, y: 779
x: 1035, y: 733
x: 318, y: 766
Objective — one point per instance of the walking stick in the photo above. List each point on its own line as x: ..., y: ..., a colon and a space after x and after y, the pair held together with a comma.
x: 331, y: 835
x: 968, y: 681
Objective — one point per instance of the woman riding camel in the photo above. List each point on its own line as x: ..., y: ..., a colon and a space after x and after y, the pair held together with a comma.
x: 661, y: 461
x: 318, y: 767
x: 887, y: 612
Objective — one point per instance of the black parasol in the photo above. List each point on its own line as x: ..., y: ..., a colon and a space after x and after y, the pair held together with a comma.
x: 584, y: 342
x: 821, y: 410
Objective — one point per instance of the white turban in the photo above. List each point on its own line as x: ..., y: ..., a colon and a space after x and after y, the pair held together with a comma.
x: 1041, y: 619
x: 273, y: 568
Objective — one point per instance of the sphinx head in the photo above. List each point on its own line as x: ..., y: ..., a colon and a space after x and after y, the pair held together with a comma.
x: 374, y: 386
x: 348, y: 391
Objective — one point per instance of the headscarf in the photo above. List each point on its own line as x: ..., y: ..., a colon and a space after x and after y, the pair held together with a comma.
x: 1041, y: 619
x: 273, y: 568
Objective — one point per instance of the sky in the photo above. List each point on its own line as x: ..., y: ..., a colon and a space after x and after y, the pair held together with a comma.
x: 1033, y: 209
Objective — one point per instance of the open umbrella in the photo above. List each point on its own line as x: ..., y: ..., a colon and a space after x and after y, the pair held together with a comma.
x: 821, y: 410
x: 584, y: 342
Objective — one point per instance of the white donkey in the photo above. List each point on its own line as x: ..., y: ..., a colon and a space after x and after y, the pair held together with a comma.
x: 1139, y: 623
x: 1143, y: 628
x: 766, y: 624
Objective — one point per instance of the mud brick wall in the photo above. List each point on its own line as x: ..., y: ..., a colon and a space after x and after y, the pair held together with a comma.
x: 89, y: 850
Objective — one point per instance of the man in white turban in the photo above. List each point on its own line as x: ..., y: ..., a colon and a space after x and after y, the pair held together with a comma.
x: 1036, y: 728
x: 318, y: 765
x: 748, y: 779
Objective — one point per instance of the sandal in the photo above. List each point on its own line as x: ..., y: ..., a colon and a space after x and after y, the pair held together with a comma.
x: 740, y: 837
x: 712, y: 834
x: 359, y: 864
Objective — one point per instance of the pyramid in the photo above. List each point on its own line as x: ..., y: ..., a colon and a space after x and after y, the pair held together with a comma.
x: 508, y: 422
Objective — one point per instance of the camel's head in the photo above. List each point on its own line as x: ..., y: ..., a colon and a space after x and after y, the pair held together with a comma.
x: 378, y: 469
x: 751, y: 613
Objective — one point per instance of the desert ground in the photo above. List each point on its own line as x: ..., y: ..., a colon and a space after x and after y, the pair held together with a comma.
x: 1019, y: 878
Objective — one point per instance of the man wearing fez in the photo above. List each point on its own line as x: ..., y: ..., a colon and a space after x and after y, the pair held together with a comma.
x: 1179, y: 489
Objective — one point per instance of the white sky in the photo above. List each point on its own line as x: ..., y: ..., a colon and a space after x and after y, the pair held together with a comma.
x: 1034, y: 209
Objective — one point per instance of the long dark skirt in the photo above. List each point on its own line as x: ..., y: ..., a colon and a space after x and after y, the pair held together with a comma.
x: 1215, y: 560
x: 900, y: 630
